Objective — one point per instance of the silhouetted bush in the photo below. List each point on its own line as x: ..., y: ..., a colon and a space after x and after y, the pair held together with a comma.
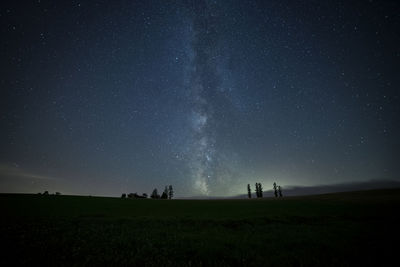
x: 136, y: 195
x: 123, y: 195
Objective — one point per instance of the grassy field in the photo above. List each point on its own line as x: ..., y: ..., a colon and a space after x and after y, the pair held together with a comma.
x: 358, y: 228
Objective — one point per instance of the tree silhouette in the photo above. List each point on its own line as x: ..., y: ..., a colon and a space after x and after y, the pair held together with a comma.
x: 280, y: 191
x: 165, y: 193
x: 144, y: 195
x: 248, y: 190
x: 170, y: 192
x: 275, y: 190
x: 155, y: 194
x: 123, y: 195
x: 257, y: 192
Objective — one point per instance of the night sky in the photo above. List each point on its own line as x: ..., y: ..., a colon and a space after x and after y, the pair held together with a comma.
x: 111, y: 97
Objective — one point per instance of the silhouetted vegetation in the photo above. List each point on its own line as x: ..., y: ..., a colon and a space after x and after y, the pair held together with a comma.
x: 248, y: 191
x: 170, y: 192
x: 133, y: 195
x: 280, y: 191
x: 154, y: 194
x: 164, y: 195
x: 136, y: 195
x: 275, y: 190
x: 259, y: 190
x: 46, y: 193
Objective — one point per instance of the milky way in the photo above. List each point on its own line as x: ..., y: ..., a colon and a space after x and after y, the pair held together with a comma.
x: 203, y: 86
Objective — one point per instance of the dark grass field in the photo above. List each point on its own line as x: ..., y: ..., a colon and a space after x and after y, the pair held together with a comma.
x: 343, y: 229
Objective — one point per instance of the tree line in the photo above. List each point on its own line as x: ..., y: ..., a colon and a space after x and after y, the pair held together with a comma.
x: 259, y: 190
x: 46, y: 193
x: 168, y: 193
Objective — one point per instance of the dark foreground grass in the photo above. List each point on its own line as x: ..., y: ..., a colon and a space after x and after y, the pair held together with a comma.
x: 359, y: 228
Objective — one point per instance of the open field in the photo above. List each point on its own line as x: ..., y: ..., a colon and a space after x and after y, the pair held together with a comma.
x: 359, y: 228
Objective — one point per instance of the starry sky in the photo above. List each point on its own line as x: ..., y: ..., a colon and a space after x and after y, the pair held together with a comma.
x: 111, y: 97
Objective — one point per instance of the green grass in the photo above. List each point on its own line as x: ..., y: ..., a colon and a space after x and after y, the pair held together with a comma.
x: 358, y: 228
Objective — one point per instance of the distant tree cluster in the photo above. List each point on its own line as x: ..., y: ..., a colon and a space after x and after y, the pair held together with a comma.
x: 259, y: 190
x: 168, y: 193
x: 133, y: 195
x: 46, y: 193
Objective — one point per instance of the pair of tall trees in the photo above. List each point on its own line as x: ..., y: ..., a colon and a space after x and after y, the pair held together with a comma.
x: 277, y: 190
x: 259, y: 192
